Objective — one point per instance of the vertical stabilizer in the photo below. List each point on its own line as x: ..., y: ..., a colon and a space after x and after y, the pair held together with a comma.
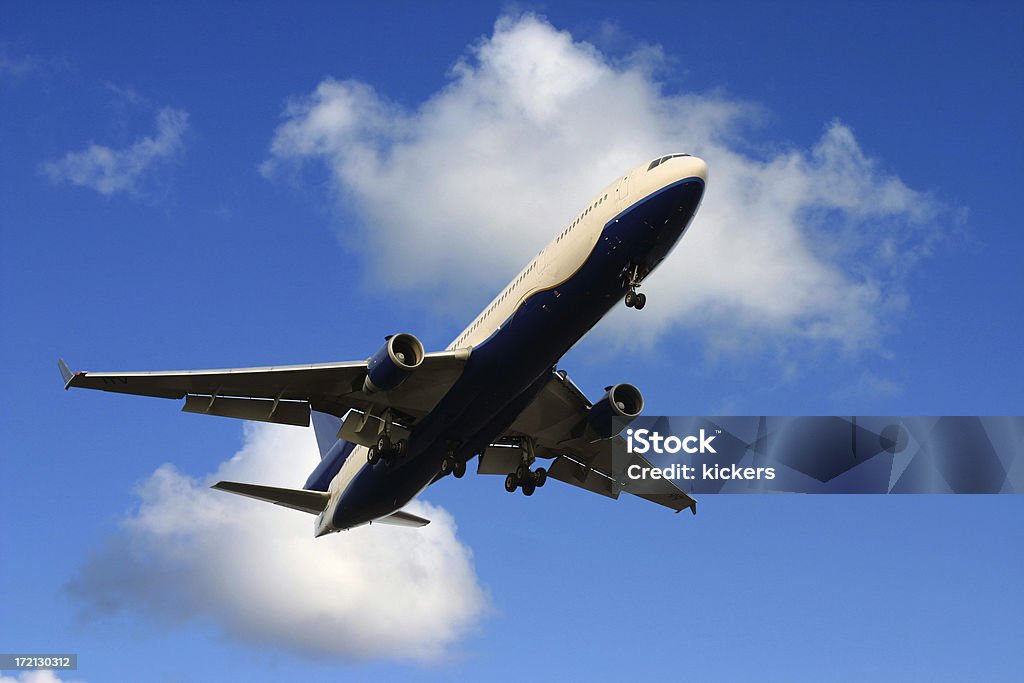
x: 326, y: 428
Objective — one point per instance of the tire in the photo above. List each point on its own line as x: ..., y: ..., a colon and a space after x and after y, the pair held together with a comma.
x: 630, y: 299
x: 372, y: 455
x: 510, y: 483
x: 540, y: 476
x: 528, y: 488
x: 446, y: 466
x: 459, y: 470
x: 522, y: 474
x: 383, y: 443
x: 641, y: 301
x: 399, y: 448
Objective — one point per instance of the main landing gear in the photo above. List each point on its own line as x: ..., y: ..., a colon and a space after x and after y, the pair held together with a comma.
x: 451, y: 465
x: 386, y: 450
x: 634, y: 299
x: 529, y: 480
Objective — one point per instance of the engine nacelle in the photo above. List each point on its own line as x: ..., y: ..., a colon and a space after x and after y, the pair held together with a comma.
x: 621, y: 404
x: 393, y: 363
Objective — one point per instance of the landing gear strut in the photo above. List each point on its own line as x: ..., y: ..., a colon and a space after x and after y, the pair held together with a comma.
x: 634, y: 299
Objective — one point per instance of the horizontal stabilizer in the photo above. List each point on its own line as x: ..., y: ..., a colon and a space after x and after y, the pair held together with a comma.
x: 312, y: 502
x: 65, y: 372
x: 401, y: 518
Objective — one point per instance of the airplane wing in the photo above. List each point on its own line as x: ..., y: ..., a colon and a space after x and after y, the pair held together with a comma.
x: 556, y: 420
x: 285, y: 393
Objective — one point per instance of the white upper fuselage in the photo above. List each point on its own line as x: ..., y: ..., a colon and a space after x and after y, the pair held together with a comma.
x: 563, y: 256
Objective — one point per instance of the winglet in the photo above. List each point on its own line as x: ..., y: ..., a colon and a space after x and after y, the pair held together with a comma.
x: 65, y: 372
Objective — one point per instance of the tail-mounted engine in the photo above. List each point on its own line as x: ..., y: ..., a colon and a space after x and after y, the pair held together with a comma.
x: 621, y: 404
x: 393, y: 363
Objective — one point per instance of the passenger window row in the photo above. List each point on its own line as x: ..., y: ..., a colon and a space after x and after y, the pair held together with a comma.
x: 530, y: 268
x: 581, y: 217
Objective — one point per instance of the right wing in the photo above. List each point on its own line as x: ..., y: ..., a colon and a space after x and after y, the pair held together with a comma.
x: 556, y: 422
x: 285, y: 393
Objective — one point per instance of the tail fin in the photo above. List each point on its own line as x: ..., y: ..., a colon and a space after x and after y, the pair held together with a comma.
x: 326, y: 428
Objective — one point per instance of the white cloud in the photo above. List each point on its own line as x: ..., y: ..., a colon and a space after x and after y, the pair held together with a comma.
x: 255, y: 570
x: 17, y: 67
x: 456, y: 194
x: 37, y: 676
x: 109, y: 170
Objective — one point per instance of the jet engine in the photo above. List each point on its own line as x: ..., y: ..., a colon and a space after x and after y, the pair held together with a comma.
x: 620, y: 405
x: 393, y: 363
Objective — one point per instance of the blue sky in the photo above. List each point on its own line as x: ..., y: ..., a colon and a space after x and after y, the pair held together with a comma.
x: 220, y: 186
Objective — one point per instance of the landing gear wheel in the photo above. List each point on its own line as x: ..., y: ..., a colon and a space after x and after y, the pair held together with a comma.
x: 383, y: 443
x: 540, y: 476
x: 511, y: 484
x: 522, y: 474
x: 399, y: 448
x: 528, y: 488
x: 372, y: 455
x: 447, y: 466
x: 630, y: 299
x: 459, y: 470
x: 641, y: 301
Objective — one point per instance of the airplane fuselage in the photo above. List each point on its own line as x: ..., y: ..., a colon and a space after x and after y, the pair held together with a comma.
x: 619, y: 237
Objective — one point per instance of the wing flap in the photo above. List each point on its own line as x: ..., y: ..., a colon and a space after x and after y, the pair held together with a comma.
x: 578, y: 474
x: 259, y: 409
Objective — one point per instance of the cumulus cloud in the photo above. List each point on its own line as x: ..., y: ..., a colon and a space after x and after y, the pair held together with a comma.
x: 255, y: 570
x: 108, y: 170
x: 456, y: 193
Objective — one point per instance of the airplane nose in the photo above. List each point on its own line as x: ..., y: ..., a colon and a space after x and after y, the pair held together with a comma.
x: 699, y: 168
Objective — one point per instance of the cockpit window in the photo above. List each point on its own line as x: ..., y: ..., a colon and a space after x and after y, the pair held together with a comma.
x: 662, y: 160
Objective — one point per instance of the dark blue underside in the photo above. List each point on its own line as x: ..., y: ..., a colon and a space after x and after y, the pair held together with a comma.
x: 506, y: 371
x: 330, y: 465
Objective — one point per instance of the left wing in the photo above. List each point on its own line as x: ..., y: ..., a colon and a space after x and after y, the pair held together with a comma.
x: 285, y: 393
x: 556, y: 421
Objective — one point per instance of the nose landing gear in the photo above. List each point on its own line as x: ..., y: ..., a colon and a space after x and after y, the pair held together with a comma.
x: 634, y: 299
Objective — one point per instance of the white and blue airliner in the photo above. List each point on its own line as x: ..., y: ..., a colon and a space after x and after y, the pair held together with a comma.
x: 389, y: 426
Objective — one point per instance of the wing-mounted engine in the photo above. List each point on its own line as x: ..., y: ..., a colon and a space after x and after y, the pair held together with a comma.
x: 393, y: 363
x: 620, y: 405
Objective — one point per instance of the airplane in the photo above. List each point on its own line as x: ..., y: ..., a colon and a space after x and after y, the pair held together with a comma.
x: 389, y: 426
